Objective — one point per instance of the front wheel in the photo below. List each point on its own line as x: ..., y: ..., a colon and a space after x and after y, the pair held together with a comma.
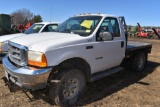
x: 139, y: 61
x: 70, y: 88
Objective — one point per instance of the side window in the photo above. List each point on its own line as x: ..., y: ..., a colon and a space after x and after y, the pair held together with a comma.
x: 110, y: 25
x: 115, y: 25
x: 50, y: 28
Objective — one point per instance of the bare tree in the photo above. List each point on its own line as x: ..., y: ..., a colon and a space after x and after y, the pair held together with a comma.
x: 21, y: 16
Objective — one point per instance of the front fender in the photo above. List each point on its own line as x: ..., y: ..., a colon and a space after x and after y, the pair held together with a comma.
x: 57, y: 56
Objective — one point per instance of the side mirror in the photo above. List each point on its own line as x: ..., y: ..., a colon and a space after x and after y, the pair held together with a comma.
x: 106, y: 36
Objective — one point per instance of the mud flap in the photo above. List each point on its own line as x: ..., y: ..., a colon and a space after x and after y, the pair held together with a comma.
x: 12, y: 87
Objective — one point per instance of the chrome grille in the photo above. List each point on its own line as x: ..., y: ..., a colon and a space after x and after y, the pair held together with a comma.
x: 17, y: 53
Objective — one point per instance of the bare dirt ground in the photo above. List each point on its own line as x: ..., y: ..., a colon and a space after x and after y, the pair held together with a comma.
x: 123, y: 89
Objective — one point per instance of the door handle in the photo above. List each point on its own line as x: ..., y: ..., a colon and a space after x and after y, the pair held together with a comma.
x: 89, y: 47
x: 122, y: 44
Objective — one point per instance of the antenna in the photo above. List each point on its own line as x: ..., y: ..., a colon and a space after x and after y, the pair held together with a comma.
x: 51, y: 16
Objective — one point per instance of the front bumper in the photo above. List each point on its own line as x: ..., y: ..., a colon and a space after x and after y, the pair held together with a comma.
x: 24, y: 77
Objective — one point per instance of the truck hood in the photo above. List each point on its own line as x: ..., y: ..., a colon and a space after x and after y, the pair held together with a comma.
x: 11, y: 36
x: 48, y: 41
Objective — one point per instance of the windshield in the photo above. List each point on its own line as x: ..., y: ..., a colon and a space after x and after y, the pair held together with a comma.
x: 82, y: 25
x: 35, y: 28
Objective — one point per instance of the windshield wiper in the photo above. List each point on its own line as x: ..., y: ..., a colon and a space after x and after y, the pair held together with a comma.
x: 66, y: 31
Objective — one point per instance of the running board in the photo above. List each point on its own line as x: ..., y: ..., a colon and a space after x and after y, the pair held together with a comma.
x: 105, y: 73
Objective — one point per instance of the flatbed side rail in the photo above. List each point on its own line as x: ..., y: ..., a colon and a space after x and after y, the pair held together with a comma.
x: 134, y: 47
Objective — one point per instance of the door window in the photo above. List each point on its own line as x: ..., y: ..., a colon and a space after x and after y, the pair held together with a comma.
x: 110, y: 25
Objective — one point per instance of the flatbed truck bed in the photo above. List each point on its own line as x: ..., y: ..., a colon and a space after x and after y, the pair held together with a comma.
x: 133, y: 47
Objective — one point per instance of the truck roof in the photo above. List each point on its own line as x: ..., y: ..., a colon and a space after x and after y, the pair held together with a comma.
x: 103, y: 15
x: 48, y: 23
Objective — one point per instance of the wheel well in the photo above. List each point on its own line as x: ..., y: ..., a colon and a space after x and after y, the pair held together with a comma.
x: 143, y: 51
x: 132, y: 54
x: 127, y: 62
x: 78, y: 63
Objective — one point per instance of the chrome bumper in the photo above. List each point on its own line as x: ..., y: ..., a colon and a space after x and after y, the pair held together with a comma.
x: 25, y: 77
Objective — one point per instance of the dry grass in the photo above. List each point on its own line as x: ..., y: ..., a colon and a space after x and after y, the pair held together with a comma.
x: 123, y: 89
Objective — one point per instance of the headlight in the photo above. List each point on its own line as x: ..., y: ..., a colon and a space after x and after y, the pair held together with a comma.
x: 37, y: 59
x: 0, y: 46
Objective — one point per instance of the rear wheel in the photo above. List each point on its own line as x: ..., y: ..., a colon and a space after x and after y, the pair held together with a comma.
x: 139, y: 61
x: 69, y: 89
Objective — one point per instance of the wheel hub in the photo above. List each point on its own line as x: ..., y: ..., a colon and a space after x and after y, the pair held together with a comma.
x: 71, y: 88
x: 141, y: 63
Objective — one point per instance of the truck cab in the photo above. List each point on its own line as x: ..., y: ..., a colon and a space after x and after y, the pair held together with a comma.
x: 82, y: 49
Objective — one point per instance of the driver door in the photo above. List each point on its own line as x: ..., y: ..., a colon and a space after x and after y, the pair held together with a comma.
x: 109, y: 54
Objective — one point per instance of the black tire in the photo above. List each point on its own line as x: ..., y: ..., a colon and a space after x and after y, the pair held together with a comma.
x: 70, y: 88
x: 139, y: 61
x: 135, y: 35
x: 149, y: 36
x: 130, y: 34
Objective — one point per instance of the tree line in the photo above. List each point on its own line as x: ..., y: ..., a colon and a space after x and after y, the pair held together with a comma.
x: 24, y: 16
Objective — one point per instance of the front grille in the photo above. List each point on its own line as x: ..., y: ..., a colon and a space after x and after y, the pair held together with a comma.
x: 17, y: 53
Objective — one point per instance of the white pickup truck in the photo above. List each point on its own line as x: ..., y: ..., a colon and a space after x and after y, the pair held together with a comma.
x: 83, y: 49
x: 35, y: 28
